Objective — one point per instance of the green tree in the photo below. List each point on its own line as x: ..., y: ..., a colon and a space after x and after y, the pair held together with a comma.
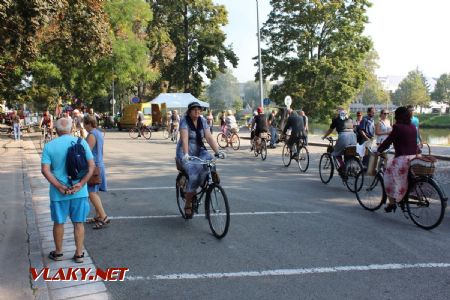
x: 197, y: 42
x: 442, y: 89
x: 66, y: 33
x: 252, y: 93
x: 412, y: 90
x: 223, y: 92
x: 318, y: 48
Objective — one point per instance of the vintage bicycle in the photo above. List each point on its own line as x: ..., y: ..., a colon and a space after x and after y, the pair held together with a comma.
x: 230, y: 138
x: 424, y: 203
x: 352, y: 165
x: 144, y: 131
x: 259, y: 145
x: 217, y: 209
x: 46, y: 136
x: 302, y: 157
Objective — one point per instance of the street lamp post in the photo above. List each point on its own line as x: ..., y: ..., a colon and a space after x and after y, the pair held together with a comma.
x: 261, y: 91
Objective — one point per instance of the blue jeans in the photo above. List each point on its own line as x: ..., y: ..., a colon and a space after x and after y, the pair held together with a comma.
x: 274, y: 135
x: 16, y: 128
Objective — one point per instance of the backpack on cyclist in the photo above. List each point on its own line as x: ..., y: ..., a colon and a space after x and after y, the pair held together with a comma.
x: 76, y: 162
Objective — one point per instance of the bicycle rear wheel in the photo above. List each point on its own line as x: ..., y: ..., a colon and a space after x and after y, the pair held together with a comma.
x: 222, y: 140
x: 353, y: 167
x: 326, y: 168
x: 371, y: 194
x: 180, y: 185
x: 147, y: 133
x: 303, y: 159
x: 235, y: 141
x: 217, y: 210
x: 263, y: 149
x: 286, y: 155
x: 426, y: 203
x: 165, y: 133
x: 134, y: 133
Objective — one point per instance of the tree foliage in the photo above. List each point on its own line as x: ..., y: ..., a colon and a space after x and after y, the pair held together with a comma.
x: 318, y: 48
x: 412, y: 90
x: 442, y: 89
x: 196, y: 39
x: 372, y: 91
x: 223, y: 92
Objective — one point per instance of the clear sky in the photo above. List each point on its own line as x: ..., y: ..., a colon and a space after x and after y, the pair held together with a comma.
x: 406, y: 34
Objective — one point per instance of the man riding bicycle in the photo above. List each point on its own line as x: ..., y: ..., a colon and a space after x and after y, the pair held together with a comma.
x: 260, y: 125
x: 139, y: 121
x: 47, y: 121
x: 346, y: 136
x: 295, y: 123
x: 174, y: 122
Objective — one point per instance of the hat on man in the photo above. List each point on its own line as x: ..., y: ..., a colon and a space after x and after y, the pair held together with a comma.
x: 230, y: 112
x: 260, y: 110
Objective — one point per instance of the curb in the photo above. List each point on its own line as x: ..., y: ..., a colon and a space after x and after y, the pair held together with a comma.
x: 39, y: 287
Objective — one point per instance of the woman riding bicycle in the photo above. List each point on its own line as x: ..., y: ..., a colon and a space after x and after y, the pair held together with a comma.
x: 403, y: 136
x: 193, y: 128
x: 174, y: 122
x: 259, y: 124
x: 346, y: 135
x: 231, y: 123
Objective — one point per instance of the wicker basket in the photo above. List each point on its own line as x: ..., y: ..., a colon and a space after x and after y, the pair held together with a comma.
x: 350, y: 151
x: 263, y: 135
x: 422, y: 165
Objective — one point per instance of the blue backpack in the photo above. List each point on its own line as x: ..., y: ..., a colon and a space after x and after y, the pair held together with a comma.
x: 76, y: 162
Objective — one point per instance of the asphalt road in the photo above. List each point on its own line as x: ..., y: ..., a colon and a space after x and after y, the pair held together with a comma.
x: 294, y: 237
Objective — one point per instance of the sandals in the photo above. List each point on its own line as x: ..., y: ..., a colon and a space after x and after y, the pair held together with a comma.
x: 188, y: 208
x: 99, y: 223
x: 92, y: 220
x: 78, y: 258
x: 55, y: 256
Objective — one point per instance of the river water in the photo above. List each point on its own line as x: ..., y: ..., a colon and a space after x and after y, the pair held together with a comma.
x: 431, y: 136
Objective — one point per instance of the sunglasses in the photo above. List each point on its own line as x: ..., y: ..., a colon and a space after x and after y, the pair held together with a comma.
x: 385, y: 113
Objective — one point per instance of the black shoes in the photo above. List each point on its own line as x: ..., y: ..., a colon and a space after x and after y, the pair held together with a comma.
x: 390, y: 208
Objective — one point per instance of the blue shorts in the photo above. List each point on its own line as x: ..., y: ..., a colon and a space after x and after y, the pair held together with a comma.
x: 77, y: 209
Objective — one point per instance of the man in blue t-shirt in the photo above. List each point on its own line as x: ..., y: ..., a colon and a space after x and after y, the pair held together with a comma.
x: 415, y: 122
x: 65, y: 199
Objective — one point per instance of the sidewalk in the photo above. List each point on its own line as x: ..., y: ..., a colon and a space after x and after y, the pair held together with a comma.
x: 14, y: 246
x: 39, y: 228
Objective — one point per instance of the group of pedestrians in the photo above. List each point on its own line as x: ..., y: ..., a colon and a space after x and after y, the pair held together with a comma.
x: 70, y: 198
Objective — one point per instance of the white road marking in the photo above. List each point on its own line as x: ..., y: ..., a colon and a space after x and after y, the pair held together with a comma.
x: 256, y: 213
x: 289, y: 272
x: 162, y: 188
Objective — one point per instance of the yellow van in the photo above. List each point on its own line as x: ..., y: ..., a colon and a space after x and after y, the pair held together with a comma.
x: 152, y: 115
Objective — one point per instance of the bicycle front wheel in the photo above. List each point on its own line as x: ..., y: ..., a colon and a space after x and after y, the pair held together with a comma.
x: 134, y: 133
x: 147, y: 133
x: 217, y: 210
x: 303, y: 159
x: 426, y: 203
x: 235, y: 141
x: 370, y: 192
x: 352, y: 168
x: 286, y: 155
x: 263, y: 150
x: 222, y: 140
x: 326, y: 168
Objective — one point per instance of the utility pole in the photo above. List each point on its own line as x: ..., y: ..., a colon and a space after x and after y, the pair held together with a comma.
x: 261, y: 90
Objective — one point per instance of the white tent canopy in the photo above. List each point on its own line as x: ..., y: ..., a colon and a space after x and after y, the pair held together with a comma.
x: 177, y: 100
